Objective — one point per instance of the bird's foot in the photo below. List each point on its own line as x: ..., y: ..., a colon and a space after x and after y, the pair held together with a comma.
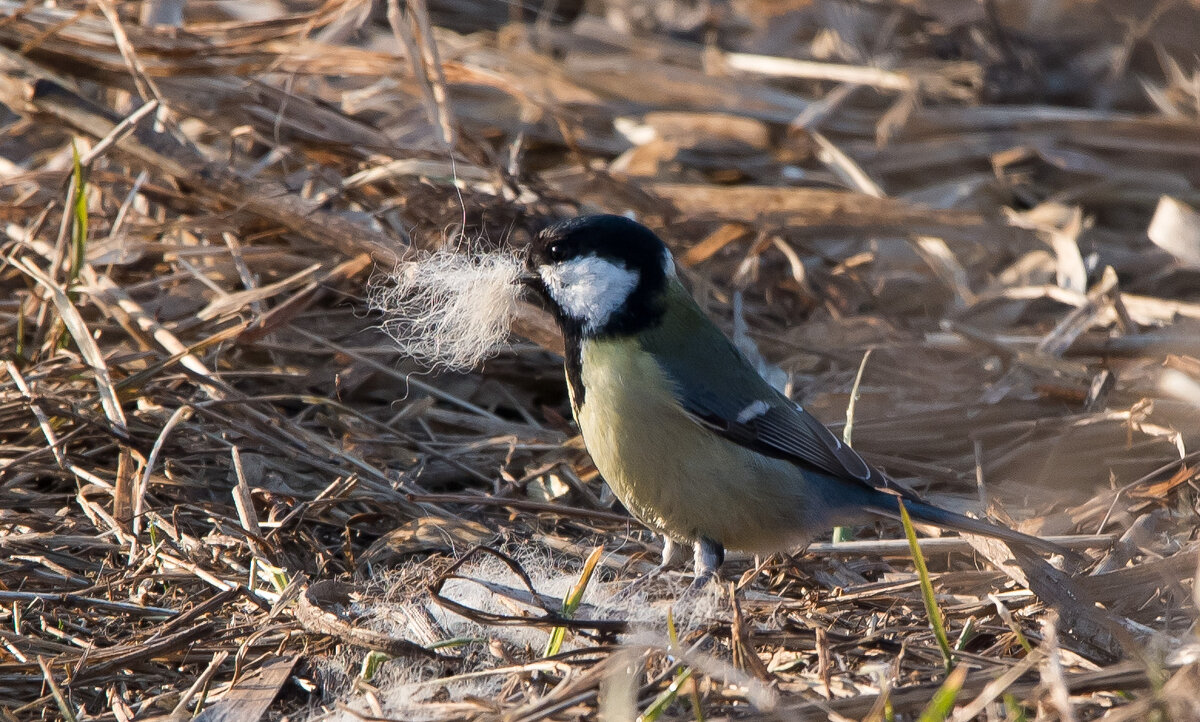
x: 709, y: 556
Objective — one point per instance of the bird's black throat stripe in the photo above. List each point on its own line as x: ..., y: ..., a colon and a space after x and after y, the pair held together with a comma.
x: 573, y: 364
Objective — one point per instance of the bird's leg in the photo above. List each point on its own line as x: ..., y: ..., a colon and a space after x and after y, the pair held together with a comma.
x: 710, y: 555
x: 672, y: 555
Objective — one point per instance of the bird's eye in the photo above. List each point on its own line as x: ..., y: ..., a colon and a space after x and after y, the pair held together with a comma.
x: 556, y: 251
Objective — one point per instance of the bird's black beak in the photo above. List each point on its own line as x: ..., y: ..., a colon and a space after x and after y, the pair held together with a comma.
x: 529, y: 279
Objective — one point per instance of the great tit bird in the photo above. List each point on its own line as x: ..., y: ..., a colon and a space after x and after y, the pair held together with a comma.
x: 692, y: 440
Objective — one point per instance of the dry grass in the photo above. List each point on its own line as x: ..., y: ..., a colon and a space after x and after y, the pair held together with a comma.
x: 220, y: 487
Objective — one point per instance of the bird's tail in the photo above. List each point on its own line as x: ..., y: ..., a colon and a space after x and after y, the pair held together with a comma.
x: 930, y: 514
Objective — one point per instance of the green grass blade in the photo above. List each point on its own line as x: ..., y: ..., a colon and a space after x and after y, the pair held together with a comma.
x: 672, y: 632
x: 19, y: 353
x: 965, y: 636
x: 931, y: 607
x: 1014, y: 710
x: 76, y: 206
x: 942, y: 704
x: 671, y: 693
x: 79, y: 218
x: 673, y: 635
x: 371, y: 664
x: 1007, y: 616
x: 572, y: 600
x: 664, y: 700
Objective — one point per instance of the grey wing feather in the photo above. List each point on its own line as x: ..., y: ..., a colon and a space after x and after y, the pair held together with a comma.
x: 783, y: 430
x: 797, y: 432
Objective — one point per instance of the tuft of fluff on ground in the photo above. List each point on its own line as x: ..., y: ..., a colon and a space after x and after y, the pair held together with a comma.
x: 450, y: 309
x: 406, y: 690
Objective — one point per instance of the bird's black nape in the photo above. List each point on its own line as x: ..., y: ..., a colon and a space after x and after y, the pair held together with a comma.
x: 615, y: 238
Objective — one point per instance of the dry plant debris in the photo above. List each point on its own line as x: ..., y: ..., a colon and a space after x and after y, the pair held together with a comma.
x: 223, y: 492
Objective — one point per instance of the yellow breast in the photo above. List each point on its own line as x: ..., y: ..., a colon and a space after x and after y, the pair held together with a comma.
x: 675, y: 476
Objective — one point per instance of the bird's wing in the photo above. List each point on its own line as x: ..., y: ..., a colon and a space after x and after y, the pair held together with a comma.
x: 721, y: 390
x: 773, y: 425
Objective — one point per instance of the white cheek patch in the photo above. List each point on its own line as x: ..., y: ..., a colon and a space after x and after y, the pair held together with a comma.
x: 589, y: 289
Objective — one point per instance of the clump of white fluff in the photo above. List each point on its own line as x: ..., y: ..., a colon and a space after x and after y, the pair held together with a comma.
x: 449, y: 309
x: 404, y: 689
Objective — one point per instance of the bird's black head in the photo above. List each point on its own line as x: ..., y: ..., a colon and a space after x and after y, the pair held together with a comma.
x: 601, y: 275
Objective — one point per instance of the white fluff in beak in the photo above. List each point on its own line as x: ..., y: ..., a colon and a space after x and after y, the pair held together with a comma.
x: 449, y: 309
